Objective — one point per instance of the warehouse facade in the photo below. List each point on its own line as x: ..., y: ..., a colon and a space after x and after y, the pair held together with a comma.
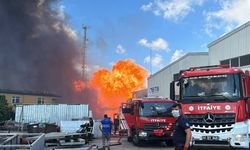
x: 158, y: 83
x: 233, y: 49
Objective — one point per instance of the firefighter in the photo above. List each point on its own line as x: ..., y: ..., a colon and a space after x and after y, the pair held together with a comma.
x: 116, y: 123
x: 182, y: 131
x: 91, y: 122
x: 106, y: 128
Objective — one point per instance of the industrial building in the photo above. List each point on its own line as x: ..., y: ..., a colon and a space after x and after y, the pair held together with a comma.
x: 233, y: 49
x: 158, y: 83
x: 15, y: 97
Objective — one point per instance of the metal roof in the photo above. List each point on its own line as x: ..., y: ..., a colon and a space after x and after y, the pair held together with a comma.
x: 27, y: 92
x: 229, y: 34
x: 180, y: 59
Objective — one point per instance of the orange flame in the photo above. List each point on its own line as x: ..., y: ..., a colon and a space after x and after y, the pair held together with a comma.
x: 117, y: 85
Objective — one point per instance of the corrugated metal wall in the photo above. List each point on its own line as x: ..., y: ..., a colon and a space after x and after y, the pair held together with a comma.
x: 233, y: 44
x: 50, y: 113
x: 163, y: 78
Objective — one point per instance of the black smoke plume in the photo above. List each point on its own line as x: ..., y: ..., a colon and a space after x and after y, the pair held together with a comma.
x: 37, y: 50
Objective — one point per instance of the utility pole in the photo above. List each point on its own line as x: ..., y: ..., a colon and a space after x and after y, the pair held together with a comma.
x: 84, y: 65
x: 84, y: 61
x: 150, y: 63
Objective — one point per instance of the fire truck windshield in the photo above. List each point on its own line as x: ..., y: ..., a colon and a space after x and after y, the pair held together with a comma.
x: 217, y: 87
x: 156, y: 109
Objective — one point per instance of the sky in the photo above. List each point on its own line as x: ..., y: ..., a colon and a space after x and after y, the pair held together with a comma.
x: 162, y: 29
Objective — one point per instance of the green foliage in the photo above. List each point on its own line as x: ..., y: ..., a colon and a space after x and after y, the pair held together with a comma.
x: 5, y: 111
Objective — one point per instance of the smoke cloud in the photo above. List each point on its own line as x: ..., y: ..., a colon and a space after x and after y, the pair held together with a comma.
x: 39, y: 50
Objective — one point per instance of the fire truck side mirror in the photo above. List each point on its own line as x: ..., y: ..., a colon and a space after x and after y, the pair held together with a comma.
x: 172, y: 90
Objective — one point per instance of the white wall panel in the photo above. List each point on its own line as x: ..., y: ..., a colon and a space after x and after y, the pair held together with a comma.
x: 50, y: 113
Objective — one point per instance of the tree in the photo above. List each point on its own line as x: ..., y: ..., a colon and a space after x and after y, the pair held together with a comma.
x: 6, y: 112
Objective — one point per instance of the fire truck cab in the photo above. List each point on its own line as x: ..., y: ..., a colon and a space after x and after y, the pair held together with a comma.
x: 216, y: 100
x: 147, y: 120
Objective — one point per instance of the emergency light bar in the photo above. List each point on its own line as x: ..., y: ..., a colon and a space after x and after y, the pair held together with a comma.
x: 208, y: 67
x: 204, y: 68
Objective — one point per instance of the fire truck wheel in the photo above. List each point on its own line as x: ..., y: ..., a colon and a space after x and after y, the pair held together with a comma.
x: 169, y: 142
x: 136, y: 140
x: 129, y: 139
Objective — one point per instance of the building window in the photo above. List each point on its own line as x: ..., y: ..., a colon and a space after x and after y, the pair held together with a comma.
x: 157, y: 89
x: 40, y: 100
x: 235, y: 62
x: 245, y: 60
x: 154, y: 90
x: 224, y: 62
x: 15, y: 99
x: 176, y: 76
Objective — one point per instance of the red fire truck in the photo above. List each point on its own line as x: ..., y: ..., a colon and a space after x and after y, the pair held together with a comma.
x: 147, y: 119
x: 216, y: 101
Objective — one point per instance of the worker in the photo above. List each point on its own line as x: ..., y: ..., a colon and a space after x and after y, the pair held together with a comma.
x: 91, y: 122
x: 106, y: 128
x: 182, y: 132
x: 111, y: 125
x: 116, y: 123
x: 192, y: 88
x: 90, y: 128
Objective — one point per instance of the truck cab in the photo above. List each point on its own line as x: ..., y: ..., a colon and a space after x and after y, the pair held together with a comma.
x: 216, y: 101
x: 148, y: 120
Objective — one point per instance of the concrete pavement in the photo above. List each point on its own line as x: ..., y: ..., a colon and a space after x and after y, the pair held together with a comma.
x: 129, y: 146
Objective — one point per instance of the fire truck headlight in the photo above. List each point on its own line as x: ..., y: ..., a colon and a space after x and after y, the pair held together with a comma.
x: 167, y: 127
x: 143, y: 134
x: 240, y: 137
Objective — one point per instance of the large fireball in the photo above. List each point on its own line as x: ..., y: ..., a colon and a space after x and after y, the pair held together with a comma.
x: 117, y: 85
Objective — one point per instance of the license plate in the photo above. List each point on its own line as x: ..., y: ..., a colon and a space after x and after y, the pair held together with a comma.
x: 210, y: 138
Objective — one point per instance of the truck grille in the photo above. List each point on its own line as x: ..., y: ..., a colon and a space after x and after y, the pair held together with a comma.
x: 218, y: 123
x: 218, y: 119
x: 154, y: 126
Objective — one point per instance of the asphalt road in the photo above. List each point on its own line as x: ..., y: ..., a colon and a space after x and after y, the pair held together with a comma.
x: 125, y: 145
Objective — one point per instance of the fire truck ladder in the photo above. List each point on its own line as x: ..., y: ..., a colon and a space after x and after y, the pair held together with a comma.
x: 124, y: 128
